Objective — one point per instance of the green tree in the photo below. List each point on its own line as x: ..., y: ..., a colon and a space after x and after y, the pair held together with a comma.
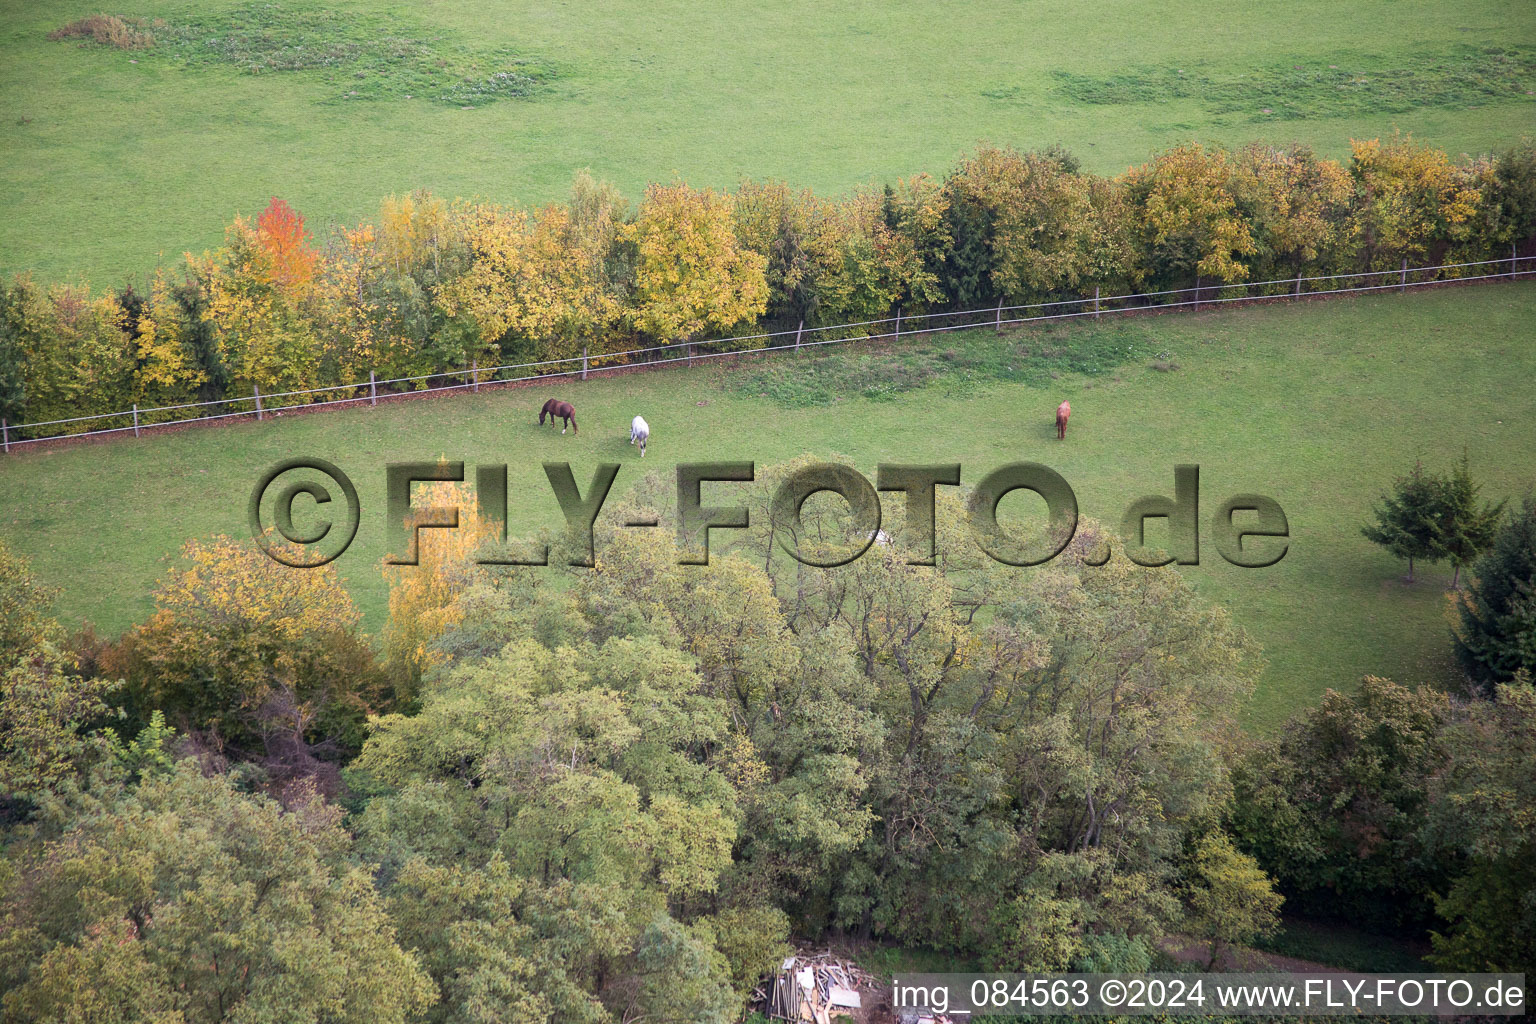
x: 1410, y: 519
x: 1496, y: 631
x: 574, y: 786
x: 74, y: 356
x: 1483, y: 810
x: 190, y: 901
x: 486, y: 961
x: 26, y: 622
x: 12, y: 371
x: 1335, y: 806
x: 939, y: 741
x: 1467, y: 527
x: 1231, y: 901
x: 45, y: 709
x: 1509, y: 197
x: 46, y: 704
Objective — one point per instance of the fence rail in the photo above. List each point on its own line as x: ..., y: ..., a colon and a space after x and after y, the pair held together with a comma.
x: 374, y: 390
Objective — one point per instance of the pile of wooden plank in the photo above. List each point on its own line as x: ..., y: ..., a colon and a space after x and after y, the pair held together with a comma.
x: 816, y: 987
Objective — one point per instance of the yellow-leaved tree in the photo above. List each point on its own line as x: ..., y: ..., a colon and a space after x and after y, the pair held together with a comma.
x: 260, y: 285
x: 532, y: 290
x: 1414, y: 203
x: 1187, y: 218
x: 170, y: 372
x: 253, y: 659
x: 692, y: 274
x: 1301, y: 207
x: 422, y: 597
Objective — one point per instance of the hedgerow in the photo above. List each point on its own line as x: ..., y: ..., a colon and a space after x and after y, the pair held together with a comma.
x: 432, y: 287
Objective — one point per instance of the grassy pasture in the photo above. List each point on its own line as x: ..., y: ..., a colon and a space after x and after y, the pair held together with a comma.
x: 1318, y: 405
x: 114, y: 160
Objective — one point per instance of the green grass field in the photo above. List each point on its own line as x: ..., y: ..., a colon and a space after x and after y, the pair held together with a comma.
x: 1319, y: 405
x: 114, y: 161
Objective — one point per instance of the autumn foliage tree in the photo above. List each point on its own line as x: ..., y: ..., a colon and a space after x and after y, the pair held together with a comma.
x: 281, y: 231
x: 1187, y: 217
x: 254, y: 660
x: 430, y: 287
x: 1414, y: 203
x: 532, y: 289
x: 1301, y: 207
x: 423, y: 597
x: 1035, y: 217
x: 692, y: 274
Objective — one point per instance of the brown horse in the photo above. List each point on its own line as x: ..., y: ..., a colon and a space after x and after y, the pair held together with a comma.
x: 556, y: 409
x: 1063, y: 413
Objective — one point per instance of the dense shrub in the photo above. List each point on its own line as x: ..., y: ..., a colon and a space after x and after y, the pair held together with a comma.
x: 109, y: 30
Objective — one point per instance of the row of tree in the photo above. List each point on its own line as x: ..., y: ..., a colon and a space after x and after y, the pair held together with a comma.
x: 431, y: 287
x: 615, y: 796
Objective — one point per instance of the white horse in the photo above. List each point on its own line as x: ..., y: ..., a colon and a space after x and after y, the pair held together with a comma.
x: 639, y: 431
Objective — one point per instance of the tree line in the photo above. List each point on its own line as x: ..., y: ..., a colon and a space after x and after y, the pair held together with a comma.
x: 616, y: 796
x: 429, y: 286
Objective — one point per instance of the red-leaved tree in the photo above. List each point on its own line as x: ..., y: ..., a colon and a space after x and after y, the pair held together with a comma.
x: 281, y: 230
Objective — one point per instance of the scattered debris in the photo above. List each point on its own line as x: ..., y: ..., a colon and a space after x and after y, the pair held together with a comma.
x: 818, y: 987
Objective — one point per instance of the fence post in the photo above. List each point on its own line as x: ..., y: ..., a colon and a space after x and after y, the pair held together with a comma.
x: 474, y: 374
x: 1514, y: 265
x: 1095, y: 302
x: 798, y: 330
x: 256, y: 391
x: 898, y: 324
x: 584, y: 362
x: 135, y: 419
x: 5, y: 433
x: 1298, y: 285
x: 999, y: 316
x: 1403, y: 285
x: 373, y: 388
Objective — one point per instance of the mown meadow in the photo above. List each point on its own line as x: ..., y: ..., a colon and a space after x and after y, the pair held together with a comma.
x: 116, y: 160
x: 1319, y: 404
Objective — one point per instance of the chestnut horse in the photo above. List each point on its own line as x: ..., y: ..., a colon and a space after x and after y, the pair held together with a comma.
x: 1063, y: 413
x: 556, y: 409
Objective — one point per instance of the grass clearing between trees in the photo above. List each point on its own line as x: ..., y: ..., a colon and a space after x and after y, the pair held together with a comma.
x: 1319, y: 405
x: 119, y: 159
